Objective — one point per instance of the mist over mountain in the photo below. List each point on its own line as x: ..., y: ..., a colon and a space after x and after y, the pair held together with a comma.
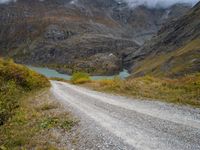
x: 136, y: 3
x: 158, y: 3
x: 173, y: 52
x: 6, y: 1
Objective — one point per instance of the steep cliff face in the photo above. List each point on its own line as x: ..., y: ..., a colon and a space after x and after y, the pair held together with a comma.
x: 175, y: 51
x: 59, y: 33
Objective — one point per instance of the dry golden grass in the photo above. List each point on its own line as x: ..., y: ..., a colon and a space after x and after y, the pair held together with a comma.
x: 181, y: 61
x: 185, y: 90
x: 80, y: 78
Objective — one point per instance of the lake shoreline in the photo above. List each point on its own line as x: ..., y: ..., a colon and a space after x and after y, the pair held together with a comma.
x: 52, y: 73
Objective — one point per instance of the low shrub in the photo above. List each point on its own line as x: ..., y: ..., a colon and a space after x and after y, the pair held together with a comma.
x: 80, y: 78
x: 22, y: 76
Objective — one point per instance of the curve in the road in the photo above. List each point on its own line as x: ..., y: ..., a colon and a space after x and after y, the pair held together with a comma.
x: 140, y: 124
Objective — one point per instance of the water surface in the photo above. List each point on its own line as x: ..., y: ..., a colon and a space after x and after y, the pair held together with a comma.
x: 50, y: 73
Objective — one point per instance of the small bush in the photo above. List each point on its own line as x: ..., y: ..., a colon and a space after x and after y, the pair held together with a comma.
x: 67, y: 124
x: 48, y: 123
x: 80, y: 78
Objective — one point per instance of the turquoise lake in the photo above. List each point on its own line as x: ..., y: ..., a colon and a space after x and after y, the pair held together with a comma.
x: 53, y: 73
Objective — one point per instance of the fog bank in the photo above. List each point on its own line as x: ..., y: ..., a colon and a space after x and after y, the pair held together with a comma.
x: 158, y: 3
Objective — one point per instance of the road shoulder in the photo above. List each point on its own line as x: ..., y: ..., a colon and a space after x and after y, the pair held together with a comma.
x: 40, y: 122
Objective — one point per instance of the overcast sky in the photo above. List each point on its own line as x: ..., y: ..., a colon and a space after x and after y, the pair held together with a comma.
x: 158, y: 3
x: 2, y: 1
x: 5, y: 1
x: 149, y: 3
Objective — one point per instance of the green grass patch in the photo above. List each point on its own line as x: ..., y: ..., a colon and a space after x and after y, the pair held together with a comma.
x: 52, y: 122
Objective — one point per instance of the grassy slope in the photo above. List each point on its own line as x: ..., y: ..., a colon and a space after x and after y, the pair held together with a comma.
x: 27, y: 114
x: 15, y: 81
x: 181, y: 61
x: 185, y: 90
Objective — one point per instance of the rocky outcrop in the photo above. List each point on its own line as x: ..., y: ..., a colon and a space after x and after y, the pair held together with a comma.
x: 101, y: 63
x: 77, y: 53
x: 54, y: 33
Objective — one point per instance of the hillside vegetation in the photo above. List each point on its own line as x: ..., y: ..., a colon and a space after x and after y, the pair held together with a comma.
x: 182, y: 61
x: 184, y: 91
x: 15, y: 81
x: 174, y: 52
x: 29, y: 114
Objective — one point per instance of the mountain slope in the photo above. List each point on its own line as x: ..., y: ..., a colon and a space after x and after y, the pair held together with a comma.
x: 175, y: 51
x: 77, y: 35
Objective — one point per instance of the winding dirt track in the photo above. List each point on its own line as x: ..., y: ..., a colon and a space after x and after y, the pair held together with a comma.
x: 115, y: 122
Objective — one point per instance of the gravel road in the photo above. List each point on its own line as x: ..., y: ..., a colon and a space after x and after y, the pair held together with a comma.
x: 116, y: 122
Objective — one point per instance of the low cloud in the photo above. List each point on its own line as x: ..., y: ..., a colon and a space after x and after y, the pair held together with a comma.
x: 6, y: 1
x: 148, y: 3
x: 158, y: 3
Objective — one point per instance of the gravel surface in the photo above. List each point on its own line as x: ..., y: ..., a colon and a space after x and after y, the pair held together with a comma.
x: 116, y: 122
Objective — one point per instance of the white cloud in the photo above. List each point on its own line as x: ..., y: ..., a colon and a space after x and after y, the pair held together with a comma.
x: 148, y: 3
x: 158, y: 3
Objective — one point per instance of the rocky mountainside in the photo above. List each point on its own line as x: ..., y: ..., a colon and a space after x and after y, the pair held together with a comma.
x: 71, y: 35
x: 175, y: 51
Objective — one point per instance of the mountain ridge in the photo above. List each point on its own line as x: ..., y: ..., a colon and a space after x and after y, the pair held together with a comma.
x: 178, y: 45
x: 66, y: 34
